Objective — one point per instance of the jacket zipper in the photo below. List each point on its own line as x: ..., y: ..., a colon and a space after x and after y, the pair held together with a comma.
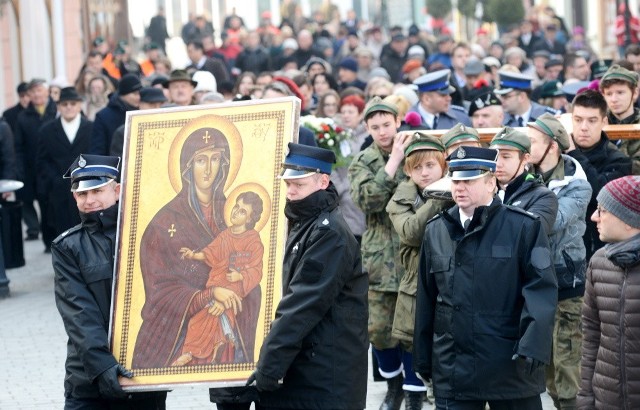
x: 623, y: 370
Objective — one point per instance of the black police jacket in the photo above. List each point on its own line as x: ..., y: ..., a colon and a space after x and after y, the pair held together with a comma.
x: 529, y: 193
x: 83, y: 265
x: 318, y: 340
x: 484, y: 294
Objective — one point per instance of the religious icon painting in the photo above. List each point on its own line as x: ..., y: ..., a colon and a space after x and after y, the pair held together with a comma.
x: 201, y: 238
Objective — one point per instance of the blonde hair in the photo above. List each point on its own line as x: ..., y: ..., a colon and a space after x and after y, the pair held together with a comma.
x: 400, y: 102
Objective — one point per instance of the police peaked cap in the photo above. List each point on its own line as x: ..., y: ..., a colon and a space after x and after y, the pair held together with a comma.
x: 92, y: 171
x: 471, y: 162
x: 304, y: 160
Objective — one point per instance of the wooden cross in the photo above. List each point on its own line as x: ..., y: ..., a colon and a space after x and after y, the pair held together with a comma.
x: 172, y: 230
x: 206, y: 137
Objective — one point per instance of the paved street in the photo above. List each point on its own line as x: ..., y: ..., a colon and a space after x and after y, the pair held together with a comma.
x: 32, y: 342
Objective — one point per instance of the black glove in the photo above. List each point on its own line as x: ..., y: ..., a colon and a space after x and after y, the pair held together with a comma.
x: 263, y: 382
x: 108, y: 384
x: 529, y: 363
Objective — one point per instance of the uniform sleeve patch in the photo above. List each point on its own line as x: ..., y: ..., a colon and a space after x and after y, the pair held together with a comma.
x: 541, y: 258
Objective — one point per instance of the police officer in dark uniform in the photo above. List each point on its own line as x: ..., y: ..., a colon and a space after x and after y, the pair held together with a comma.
x: 435, y: 106
x: 486, y: 296
x: 315, y: 355
x: 83, y: 264
x: 515, y: 94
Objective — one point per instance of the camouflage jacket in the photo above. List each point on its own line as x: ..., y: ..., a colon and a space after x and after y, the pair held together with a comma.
x: 371, y: 190
x: 630, y: 148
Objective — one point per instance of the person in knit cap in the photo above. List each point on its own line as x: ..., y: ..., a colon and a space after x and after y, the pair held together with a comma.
x: 610, y: 348
x: 348, y: 74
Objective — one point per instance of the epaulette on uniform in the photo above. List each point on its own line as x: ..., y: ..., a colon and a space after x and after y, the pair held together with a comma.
x: 522, y: 211
x: 68, y: 232
x: 323, y: 221
x: 435, y: 218
x: 458, y: 108
x: 550, y: 110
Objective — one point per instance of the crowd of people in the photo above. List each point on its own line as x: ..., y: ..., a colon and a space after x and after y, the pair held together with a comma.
x: 496, y: 271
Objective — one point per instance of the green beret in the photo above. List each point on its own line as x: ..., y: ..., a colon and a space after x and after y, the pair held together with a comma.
x: 421, y: 141
x: 377, y: 104
x: 615, y: 72
x: 512, y: 138
x: 552, y: 128
x: 457, y: 133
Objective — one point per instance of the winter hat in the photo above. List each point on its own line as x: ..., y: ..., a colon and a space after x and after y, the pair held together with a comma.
x: 128, y: 84
x: 206, y: 81
x: 290, y: 43
x: 621, y: 197
x: 350, y: 64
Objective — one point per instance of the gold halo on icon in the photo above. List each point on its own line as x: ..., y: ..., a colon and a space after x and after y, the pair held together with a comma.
x: 249, y: 187
x: 226, y: 127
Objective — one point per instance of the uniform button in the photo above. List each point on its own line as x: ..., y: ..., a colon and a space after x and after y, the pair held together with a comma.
x: 456, y: 307
x: 458, y: 263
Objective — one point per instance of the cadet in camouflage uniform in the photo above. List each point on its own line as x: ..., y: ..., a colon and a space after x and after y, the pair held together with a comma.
x: 619, y: 87
x: 565, y: 177
x: 374, y: 174
x: 412, y: 205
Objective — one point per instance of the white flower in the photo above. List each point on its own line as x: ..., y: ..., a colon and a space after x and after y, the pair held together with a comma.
x: 330, y: 143
x: 326, y: 135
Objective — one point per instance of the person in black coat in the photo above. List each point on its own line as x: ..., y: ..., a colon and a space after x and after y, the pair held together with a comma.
x: 60, y: 142
x: 254, y: 57
x: 394, y: 57
x: 516, y: 185
x: 200, y: 62
x: 11, y: 114
x: 315, y: 355
x: 485, y: 335
x: 549, y: 42
x: 41, y: 109
x: 112, y: 116
x: 7, y: 154
x: 157, y: 30
x: 82, y: 261
x: 600, y: 159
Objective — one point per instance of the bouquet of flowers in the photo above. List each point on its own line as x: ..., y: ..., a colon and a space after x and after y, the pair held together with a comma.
x: 329, y: 135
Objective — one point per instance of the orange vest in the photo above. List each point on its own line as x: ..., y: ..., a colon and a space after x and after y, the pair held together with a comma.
x: 110, y: 67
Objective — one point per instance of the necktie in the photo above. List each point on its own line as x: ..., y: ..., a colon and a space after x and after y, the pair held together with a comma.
x: 520, y: 122
x: 466, y: 224
x: 435, y: 122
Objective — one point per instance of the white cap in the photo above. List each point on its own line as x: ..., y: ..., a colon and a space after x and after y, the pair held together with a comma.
x: 290, y: 43
x: 415, y: 50
x: 206, y: 81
